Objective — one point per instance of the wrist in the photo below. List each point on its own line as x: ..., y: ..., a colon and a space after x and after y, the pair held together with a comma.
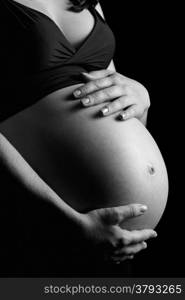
x: 65, y: 211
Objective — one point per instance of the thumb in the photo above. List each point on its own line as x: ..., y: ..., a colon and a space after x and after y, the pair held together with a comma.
x: 97, y: 74
x: 116, y: 215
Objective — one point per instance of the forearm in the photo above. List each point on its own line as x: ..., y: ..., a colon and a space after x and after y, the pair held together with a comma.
x: 27, y: 178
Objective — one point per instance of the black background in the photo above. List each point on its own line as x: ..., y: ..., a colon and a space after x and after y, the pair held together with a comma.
x: 149, y: 50
x: 149, y: 44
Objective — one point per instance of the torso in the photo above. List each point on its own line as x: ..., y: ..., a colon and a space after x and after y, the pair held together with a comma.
x: 70, y: 24
x: 89, y: 161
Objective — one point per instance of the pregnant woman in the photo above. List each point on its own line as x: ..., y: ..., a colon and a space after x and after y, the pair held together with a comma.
x: 92, y: 169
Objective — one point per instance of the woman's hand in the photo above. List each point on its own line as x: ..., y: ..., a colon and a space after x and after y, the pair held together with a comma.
x: 124, y: 95
x: 101, y: 230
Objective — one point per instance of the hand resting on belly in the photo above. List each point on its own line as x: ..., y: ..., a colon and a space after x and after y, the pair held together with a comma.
x: 91, y: 162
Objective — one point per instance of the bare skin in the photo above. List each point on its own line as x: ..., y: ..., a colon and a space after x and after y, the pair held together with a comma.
x: 127, y: 97
x: 98, y: 228
x: 70, y: 143
x: 26, y: 132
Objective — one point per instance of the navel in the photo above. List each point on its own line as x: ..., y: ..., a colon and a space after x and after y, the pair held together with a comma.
x: 151, y: 170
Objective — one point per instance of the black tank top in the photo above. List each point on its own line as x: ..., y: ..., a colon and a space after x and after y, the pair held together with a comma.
x: 37, y: 59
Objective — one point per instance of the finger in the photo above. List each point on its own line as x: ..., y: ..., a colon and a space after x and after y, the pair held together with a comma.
x: 116, y: 105
x: 123, y: 251
x: 130, y: 250
x: 98, y: 74
x: 116, y: 215
x: 138, y: 236
x: 135, y: 237
x: 93, y: 86
x: 105, y: 94
x: 130, y: 112
x: 118, y: 260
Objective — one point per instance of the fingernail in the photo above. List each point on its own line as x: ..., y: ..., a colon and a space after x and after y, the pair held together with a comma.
x: 105, y: 110
x: 77, y: 93
x: 155, y: 234
x: 144, y: 245
x: 85, y: 101
x: 143, y: 208
x: 122, y: 116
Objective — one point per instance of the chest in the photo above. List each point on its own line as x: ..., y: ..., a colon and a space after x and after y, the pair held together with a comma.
x: 74, y: 26
x: 56, y: 40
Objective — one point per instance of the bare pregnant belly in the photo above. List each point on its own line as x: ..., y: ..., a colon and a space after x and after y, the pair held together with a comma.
x: 91, y: 162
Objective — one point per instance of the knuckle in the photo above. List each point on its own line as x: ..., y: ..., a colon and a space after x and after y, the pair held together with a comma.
x: 131, y: 112
x: 115, y: 105
x: 91, y: 86
x: 114, y: 77
x: 107, y: 93
x: 98, y: 83
x: 117, y: 78
x: 132, y: 210
x: 97, y: 96
x: 107, y: 81
x: 110, y: 92
x: 124, y: 101
x: 114, y: 91
x: 86, y: 88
